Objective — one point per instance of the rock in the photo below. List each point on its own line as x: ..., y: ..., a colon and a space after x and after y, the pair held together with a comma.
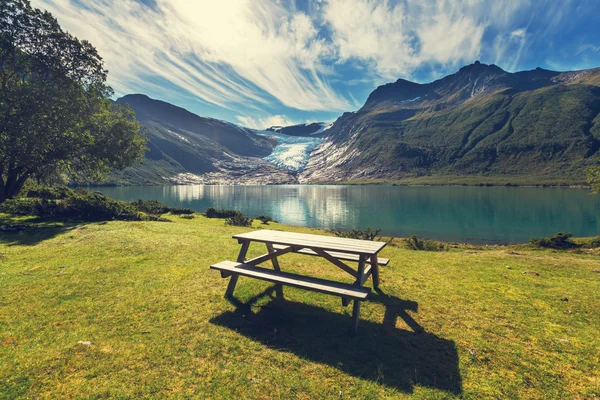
x: 564, y: 299
x: 473, y: 352
x: 531, y: 273
x: 85, y: 343
x: 508, y: 267
x: 596, y: 271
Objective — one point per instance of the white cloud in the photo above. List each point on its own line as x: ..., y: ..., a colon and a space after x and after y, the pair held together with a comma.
x: 395, y: 38
x: 267, y: 122
x: 224, y: 52
x: 261, y: 54
x: 587, y: 47
x: 509, y: 48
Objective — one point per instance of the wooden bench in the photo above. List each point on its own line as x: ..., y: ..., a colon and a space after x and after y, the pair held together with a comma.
x: 340, y: 256
x: 228, y: 268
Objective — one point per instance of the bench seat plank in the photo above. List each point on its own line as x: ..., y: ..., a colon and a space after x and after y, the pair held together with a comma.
x: 300, y: 281
x: 338, y: 255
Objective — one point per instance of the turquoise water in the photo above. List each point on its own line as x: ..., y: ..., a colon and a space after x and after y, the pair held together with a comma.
x: 462, y: 214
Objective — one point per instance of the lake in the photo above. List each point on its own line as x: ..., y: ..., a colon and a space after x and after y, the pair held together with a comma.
x: 462, y: 214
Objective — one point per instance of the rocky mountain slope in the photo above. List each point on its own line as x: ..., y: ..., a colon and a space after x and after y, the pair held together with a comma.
x: 481, y: 120
x: 185, y: 148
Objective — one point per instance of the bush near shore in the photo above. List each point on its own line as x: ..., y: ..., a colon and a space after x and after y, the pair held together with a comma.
x: 62, y: 203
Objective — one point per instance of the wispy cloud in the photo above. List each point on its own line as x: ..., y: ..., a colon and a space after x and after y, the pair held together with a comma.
x: 225, y: 52
x: 588, y: 47
x: 269, y: 59
x: 267, y: 122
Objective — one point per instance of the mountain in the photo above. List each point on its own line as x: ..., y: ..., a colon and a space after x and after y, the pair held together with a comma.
x: 479, y: 121
x: 186, y: 148
x: 317, y: 129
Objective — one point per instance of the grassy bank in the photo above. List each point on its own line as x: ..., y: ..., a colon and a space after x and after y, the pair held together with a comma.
x: 475, y: 180
x: 471, y: 322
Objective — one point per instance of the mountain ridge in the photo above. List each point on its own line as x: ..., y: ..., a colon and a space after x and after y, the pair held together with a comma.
x: 479, y: 121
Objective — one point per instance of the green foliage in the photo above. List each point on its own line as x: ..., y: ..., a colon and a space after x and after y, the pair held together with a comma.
x: 595, y: 242
x: 416, y: 243
x: 50, y: 192
x: 61, y: 203
x: 265, y: 219
x: 239, y: 220
x: 158, y: 208
x: 367, y: 234
x: 214, y: 213
x: 558, y: 241
x: 593, y: 175
x: 56, y: 115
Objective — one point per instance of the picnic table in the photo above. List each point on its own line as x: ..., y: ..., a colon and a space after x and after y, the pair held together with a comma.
x: 336, y: 250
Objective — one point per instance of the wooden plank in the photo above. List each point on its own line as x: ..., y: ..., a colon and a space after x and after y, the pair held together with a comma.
x: 352, y: 246
x: 234, y: 278
x: 285, y: 278
x: 336, y: 254
x: 268, y: 256
x: 335, y: 261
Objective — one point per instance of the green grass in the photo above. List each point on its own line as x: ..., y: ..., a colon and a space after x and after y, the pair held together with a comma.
x: 472, y: 322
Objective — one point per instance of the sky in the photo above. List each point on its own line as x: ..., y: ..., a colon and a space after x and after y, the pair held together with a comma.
x: 259, y: 63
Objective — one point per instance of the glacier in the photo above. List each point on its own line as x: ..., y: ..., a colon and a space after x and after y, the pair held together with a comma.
x: 291, y: 152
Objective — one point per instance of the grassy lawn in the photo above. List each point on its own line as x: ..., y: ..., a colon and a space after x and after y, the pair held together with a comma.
x: 491, y: 322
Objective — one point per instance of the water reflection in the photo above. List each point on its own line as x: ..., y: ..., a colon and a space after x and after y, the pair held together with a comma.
x: 471, y: 214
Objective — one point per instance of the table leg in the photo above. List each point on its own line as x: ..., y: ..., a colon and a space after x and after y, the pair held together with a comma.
x: 234, y: 278
x: 356, y: 306
x: 375, y: 272
x: 278, y: 287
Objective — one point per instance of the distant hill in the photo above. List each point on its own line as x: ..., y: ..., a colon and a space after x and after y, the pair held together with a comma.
x: 186, y: 148
x: 481, y: 120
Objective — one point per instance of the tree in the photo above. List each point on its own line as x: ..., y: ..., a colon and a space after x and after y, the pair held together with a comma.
x: 56, y: 115
x: 594, y: 178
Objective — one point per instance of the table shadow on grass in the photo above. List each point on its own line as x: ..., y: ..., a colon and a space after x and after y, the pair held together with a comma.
x: 379, y: 352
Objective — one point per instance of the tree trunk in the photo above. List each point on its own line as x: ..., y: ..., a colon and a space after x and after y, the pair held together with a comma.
x: 14, y: 184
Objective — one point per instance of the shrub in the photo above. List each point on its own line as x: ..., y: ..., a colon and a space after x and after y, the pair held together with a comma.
x: 265, y: 219
x: 61, y: 203
x: 367, y: 234
x: 595, y: 242
x: 50, y: 193
x: 416, y: 243
x: 214, y: 213
x: 182, y: 211
x: 31, y: 206
x: 158, y: 208
x: 239, y: 220
x: 150, y: 207
x: 559, y: 241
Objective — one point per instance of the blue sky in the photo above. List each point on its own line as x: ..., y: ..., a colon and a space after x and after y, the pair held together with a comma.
x: 259, y: 63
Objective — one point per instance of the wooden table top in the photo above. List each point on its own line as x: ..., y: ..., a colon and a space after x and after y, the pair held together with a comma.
x: 344, y: 245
